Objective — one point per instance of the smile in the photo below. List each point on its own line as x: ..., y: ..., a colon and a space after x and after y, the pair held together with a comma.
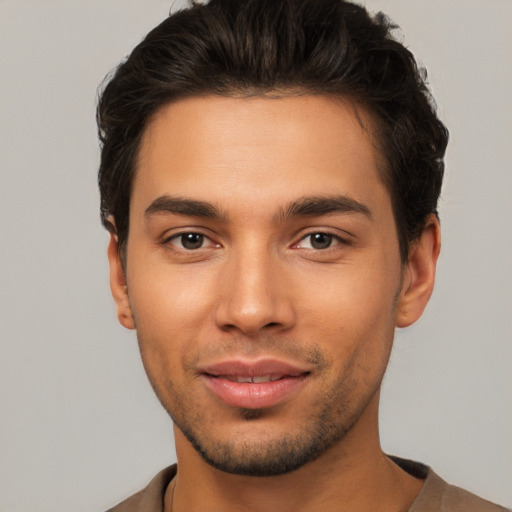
x: 254, y: 385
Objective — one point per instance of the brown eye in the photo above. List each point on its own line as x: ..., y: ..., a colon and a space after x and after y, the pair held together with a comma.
x: 320, y: 240
x: 190, y: 244
x: 191, y: 241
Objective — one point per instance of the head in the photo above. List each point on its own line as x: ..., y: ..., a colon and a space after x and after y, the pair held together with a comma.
x: 270, y: 174
x: 260, y: 47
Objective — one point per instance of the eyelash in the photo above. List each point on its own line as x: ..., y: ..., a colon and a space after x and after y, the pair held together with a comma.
x: 334, y: 240
x: 179, y: 236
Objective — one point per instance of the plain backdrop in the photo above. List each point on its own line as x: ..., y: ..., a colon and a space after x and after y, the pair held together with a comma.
x: 80, y: 428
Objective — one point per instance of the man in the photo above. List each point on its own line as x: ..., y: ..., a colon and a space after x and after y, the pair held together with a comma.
x: 270, y: 174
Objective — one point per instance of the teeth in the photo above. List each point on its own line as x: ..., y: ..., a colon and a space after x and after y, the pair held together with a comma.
x: 260, y: 379
x: 256, y: 380
x: 263, y: 378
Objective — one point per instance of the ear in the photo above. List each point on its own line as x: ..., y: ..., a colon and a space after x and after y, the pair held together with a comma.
x: 419, y: 274
x: 118, y: 284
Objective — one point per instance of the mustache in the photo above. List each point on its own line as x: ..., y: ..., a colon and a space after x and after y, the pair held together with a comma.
x: 259, y: 347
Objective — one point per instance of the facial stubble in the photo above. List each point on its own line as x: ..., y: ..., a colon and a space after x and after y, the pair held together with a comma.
x: 325, y: 425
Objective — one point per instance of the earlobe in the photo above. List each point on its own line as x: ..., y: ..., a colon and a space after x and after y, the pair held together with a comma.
x: 118, y: 284
x: 419, y: 274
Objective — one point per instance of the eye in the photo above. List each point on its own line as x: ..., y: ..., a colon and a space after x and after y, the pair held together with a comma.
x: 318, y: 241
x: 190, y: 241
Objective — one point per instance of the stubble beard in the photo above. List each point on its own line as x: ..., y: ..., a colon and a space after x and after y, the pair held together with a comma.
x: 319, y: 431
x: 271, y: 458
x: 326, y: 425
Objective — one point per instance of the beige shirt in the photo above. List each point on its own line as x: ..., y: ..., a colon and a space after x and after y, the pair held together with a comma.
x: 435, y: 496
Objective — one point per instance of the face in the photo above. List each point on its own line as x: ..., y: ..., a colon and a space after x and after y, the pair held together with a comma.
x: 263, y: 276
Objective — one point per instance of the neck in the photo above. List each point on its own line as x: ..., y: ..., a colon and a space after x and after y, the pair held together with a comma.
x: 352, y: 475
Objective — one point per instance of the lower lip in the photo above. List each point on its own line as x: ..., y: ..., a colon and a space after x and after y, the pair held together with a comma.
x: 249, y: 395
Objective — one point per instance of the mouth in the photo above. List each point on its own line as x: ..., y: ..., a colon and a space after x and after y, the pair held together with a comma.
x: 254, y: 385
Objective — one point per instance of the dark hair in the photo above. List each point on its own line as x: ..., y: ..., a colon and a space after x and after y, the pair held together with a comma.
x: 251, y: 47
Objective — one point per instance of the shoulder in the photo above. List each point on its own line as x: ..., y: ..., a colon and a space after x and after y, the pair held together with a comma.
x: 151, y: 498
x: 439, y: 496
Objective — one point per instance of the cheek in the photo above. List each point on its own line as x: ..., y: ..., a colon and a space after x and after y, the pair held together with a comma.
x: 354, y: 309
x: 167, y: 298
x: 169, y: 312
x: 350, y: 294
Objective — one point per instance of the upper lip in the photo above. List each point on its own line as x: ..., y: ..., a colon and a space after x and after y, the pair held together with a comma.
x: 259, y: 368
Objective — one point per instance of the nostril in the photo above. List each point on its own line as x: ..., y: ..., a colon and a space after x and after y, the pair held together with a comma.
x: 229, y: 327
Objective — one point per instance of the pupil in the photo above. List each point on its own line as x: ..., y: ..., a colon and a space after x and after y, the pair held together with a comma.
x: 321, y: 241
x: 192, y: 240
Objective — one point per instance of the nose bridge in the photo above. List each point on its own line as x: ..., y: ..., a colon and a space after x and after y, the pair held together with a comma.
x: 252, y: 297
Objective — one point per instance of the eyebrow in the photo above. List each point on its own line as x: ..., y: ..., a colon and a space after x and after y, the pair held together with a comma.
x: 314, y: 206
x: 182, y: 206
x: 311, y: 206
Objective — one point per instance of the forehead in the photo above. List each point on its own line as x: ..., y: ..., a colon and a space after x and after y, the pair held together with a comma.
x: 212, y: 148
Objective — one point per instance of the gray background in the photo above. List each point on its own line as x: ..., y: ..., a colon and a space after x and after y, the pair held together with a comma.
x: 80, y: 428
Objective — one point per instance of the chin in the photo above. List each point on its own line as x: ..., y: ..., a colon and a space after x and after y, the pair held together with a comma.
x: 283, y: 454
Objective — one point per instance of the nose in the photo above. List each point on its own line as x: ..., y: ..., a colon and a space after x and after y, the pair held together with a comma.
x: 254, y: 297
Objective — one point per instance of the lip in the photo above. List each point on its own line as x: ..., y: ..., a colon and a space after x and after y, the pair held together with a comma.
x: 220, y: 379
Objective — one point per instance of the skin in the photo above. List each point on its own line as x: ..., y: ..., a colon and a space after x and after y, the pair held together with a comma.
x: 258, y: 286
